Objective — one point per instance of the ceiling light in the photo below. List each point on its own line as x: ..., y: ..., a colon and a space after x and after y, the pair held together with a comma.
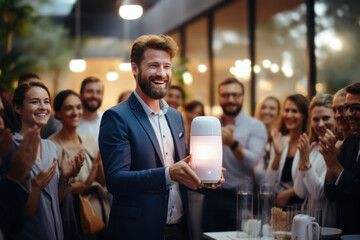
x: 130, y: 10
x: 77, y: 65
x: 112, y: 76
x: 126, y: 66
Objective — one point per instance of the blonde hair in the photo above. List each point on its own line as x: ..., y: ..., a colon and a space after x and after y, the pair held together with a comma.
x: 259, y: 106
x: 323, y: 100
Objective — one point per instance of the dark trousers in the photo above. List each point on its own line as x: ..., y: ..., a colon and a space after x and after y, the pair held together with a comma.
x: 219, y: 212
x: 175, y: 232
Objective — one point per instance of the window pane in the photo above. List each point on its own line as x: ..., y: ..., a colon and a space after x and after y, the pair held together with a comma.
x: 336, y: 42
x: 197, y: 81
x: 230, y: 47
x: 280, y: 48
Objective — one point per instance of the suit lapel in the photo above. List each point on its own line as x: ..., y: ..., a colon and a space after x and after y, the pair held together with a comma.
x: 143, y: 119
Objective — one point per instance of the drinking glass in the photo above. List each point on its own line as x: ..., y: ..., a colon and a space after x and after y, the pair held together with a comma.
x: 266, y: 202
x: 245, y: 226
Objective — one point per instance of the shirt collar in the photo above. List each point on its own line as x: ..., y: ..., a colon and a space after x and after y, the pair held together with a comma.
x: 163, y: 106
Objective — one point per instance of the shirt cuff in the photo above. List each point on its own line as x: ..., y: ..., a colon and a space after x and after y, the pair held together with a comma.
x: 26, y: 187
x: 169, y: 181
x: 338, y: 178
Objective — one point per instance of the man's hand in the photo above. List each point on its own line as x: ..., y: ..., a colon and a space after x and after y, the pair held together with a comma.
x: 330, y: 153
x: 182, y: 173
x: 227, y: 133
x: 24, y: 157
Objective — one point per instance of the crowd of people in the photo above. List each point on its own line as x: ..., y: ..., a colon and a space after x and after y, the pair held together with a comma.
x: 132, y: 166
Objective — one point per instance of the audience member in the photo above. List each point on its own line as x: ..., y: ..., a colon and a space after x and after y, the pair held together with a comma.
x: 8, y: 114
x: 339, y: 115
x: 175, y: 97
x: 267, y: 111
x: 91, y: 93
x: 193, y: 109
x: 53, y: 124
x: 283, y: 166
x: 124, y: 96
x: 90, y: 182
x: 244, y: 140
x: 143, y: 148
x: 310, y: 177
x: 48, y: 184
x: 342, y: 183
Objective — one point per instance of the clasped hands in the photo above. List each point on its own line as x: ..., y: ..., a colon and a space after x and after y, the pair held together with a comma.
x: 182, y: 173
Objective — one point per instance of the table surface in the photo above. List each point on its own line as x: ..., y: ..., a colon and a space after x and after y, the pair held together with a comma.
x: 229, y: 235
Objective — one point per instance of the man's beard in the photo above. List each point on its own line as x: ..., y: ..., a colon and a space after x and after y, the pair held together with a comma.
x: 145, y: 86
x: 90, y: 108
x: 233, y: 113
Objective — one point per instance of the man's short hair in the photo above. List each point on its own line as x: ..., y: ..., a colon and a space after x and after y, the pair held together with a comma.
x: 180, y: 89
x: 353, y: 88
x: 89, y: 80
x: 25, y: 77
x: 161, y: 42
x: 231, y: 81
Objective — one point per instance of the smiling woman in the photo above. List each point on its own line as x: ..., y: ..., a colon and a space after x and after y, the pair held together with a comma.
x: 48, y: 182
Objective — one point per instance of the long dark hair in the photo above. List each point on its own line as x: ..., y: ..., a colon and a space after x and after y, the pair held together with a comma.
x: 302, y: 103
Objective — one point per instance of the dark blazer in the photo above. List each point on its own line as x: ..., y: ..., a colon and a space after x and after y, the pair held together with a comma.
x: 134, y: 171
x: 12, y: 207
x: 347, y: 194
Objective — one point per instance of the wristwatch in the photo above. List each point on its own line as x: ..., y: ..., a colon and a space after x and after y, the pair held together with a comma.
x: 234, y: 145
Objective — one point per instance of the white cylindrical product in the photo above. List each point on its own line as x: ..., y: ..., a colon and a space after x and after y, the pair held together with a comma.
x: 206, y: 148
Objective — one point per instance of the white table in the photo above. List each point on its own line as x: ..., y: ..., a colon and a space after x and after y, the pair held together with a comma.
x: 229, y: 235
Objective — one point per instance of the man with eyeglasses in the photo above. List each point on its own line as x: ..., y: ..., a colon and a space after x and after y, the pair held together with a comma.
x: 338, y: 106
x: 342, y: 183
x: 244, y: 140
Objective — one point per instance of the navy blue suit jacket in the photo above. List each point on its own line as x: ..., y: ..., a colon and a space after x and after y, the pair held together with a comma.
x: 134, y: 171
x: 347, y: 194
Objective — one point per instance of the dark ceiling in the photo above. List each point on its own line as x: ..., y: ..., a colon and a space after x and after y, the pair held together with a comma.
x: 100, y: 18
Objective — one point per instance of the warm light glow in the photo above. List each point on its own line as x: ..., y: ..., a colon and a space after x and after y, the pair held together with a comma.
x: 266, y: 63
x: 112, y: 76
x: 187, y: 78
x: 125, y: 66
x: 319, y: 87
x: 202, y: 68
x: 242, y: 69
x: 274, y: 68
x: 265, y: 85
x: 257, y: 69
x: 77, y: 65
x: 287, y: 70
x: 130, y: 12
x: 336, y: 44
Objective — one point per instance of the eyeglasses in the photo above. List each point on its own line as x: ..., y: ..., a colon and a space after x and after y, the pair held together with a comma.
x: 228, y: 95
x: 355, y: 107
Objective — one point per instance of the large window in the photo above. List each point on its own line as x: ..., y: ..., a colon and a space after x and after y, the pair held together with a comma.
x: 231, y: 47
x: 280, y: 48
x: 197, y: 78
x: 337, y: 37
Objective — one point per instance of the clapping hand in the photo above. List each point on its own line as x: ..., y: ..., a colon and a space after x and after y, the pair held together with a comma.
x: 71, y: 167
x: 304, y: 150
x: 227, y: 133
x: 330, y: 153
x: 44, y: 177
x: 277, y: 142
x: 92, y: 176
x: 25, y: 155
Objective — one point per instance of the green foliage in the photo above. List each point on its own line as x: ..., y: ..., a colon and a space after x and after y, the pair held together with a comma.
x: 30, y: 43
